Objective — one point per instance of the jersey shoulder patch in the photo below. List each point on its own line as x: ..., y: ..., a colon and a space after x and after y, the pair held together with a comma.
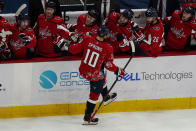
x: 156, y: 28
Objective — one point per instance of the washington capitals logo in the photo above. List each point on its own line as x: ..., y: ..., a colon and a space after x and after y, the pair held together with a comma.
x: 113, y: 36
x: 17, y: 44
x: 45, y: 33
x: 178, y: 32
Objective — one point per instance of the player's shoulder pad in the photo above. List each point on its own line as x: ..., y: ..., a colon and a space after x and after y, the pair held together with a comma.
x: 82, y: 16
x: 176, y: 13
x: 113, y: 15
x: 41, y: 16
x: 58, y: 20
x: 108, y: 45
x: 4, y: 20
x: 13, y: 27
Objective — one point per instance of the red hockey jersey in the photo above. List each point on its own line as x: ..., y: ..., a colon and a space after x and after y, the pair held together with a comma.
x: 81, y: 27
x: 47, y: 30
x: 4, y: 28
x: 154, y: 36
x: 95, y: 54
x: 16, y: 45
x: 179, y: 31
x: 116, y: 29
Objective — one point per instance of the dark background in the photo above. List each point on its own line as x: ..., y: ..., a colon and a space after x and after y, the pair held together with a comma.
x: 12, y: 5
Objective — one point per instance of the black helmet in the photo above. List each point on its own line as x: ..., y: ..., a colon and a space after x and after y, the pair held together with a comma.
x: 93, y: 13
x: 51, y: 4
x: 128, y: 13
x: 189, y: 10
x: 103, y: 31
x: 151, y: 12
x: 23, y: 17
x: 2, y: 4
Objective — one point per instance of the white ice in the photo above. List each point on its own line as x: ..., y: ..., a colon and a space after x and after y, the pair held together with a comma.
x: 175, y: 120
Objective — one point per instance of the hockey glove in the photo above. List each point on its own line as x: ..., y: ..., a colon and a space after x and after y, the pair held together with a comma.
x: 74, y: 37
x: 2, y: 46
x: 119, y: 72
x: 135, y: 29
x: 138, y: 35
x: 71, y: 27
x: 119, y: 37
x: 124, y: 43
x: 25, y: 40
x: 61, y: 43
x: 6, y: 54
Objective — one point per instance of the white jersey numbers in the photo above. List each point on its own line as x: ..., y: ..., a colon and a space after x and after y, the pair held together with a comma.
x: 94, y: 56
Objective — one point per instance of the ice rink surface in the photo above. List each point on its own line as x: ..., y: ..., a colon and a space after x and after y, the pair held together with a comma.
x: 175, y: 120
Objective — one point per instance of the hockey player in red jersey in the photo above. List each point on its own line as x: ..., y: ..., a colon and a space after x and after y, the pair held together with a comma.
x: 181, y: 25
x: 97, y: 54
x: 151, y: 42
x: 4, y: 33
x: 120, y: 26
x: 51, y: 32
x: 22, y: 40
x: 86, y: 24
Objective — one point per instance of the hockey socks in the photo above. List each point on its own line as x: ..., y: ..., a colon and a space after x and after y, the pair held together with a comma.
x: 88, y: 112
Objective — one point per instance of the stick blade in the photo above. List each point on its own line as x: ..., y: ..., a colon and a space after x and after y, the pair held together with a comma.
x: 20, y: 9
x: 132, y: 46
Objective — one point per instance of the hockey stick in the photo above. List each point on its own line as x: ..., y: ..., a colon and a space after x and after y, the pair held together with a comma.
x: 20, y: 9
x: 132, y: 54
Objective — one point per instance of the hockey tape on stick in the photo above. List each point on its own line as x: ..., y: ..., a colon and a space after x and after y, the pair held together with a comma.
x: 82, y: 2
x: 20, y: 9
x: 132, y: 46
x: 133, y: 53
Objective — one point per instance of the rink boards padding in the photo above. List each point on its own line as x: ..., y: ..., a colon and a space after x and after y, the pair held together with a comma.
x: 117, y: 106
x: 47, y: 87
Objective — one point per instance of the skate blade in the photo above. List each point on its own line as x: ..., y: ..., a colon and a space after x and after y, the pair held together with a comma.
x: 108, y: 102
x: 91, y: 123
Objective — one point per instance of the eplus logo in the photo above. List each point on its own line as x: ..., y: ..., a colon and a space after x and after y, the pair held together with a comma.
x: 48, y: 79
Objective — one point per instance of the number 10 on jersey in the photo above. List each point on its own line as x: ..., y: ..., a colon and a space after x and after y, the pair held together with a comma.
x: 94, y: 56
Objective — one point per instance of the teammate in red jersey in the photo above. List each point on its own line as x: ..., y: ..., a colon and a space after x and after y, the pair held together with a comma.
x: 120, y: 26
x: 51, y: 32
x: 22, y: 40
x: 86, y: 24
x: 151, y: 42
x: 4, y: 33
x: 181, y: 25
x: 97, y: 54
